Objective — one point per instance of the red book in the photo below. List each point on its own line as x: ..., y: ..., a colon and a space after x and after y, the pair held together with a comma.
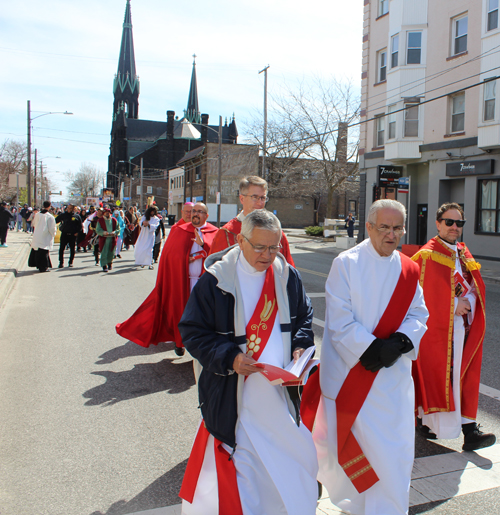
x: 462, y: 287
x: 294, y: 374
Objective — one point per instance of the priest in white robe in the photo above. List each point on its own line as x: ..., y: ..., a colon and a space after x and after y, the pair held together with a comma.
x: 143, y: 250
x: 252, y: 455
x: 367, y: 344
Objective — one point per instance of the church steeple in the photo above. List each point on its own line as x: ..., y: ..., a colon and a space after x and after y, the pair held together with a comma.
x: 192, y: 113
x: 126, y: 83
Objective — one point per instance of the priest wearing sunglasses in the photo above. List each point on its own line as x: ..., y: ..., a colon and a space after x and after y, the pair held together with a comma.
x: 251, y: 454
x: 447, y: 372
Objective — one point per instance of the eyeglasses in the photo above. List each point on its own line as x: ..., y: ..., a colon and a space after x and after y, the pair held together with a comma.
x: 399, y: 230
x: 449, y: 222
x: 198, y: 212
x: 273, y: 249
x: 256, y: 198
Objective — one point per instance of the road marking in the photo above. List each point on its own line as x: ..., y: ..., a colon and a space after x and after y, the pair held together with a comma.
x: 316, y: 295
x: 490, y: 392
x: 311, y: 272
x: 319, y: 322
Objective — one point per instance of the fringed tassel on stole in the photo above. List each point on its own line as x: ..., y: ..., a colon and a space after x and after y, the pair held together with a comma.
x: 227, y: 485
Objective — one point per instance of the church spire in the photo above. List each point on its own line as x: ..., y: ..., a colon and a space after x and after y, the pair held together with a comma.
x: 192, y: 113
x: 126, y: 83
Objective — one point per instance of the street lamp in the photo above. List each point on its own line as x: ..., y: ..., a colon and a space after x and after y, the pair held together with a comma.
x: 29, y: 142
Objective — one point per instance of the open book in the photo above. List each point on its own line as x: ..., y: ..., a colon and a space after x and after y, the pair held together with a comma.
x: 462, y: 287
x: 294, y: 374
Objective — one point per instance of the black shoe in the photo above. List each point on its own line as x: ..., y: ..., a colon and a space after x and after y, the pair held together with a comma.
x: 60, y: 265
x: 475, y: 439
x: 71, y: 265
x: 104, y: 268
x: 180, y: 351
x: 110, y: 267
x: 425, y: 431
x: 320, y: 490
x: 119, y: 257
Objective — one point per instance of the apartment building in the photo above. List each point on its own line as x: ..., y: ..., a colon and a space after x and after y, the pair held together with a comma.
x: 431, y: 131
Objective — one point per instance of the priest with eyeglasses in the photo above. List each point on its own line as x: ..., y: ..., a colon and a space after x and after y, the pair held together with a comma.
x: 251, y: 455
x: 447, y: 372
x: 375, y: 318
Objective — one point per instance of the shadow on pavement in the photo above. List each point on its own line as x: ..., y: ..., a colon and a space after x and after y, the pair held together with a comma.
x: 162, y: 492
x: 144, y: 379
x: 132, y: 349
x: 81, y: 274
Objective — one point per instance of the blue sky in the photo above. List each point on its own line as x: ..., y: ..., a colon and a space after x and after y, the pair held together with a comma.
x: 62, y: 56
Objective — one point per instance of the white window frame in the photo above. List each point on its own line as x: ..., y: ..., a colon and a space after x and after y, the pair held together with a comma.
x: 391, y: 122
x: 149, y: 189
x: 413, y: 49
x: 137, y: 190
x: 489, y: 103
x: 383, y: 7
x: 395, y: 51
x: 382, y: 65
x: 379, y: 131
x: 457, y: 117
x: 458, y: 34
x: 410, y: 121
x: 491, y: 15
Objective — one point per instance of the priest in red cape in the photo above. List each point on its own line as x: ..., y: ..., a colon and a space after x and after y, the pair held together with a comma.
x: 253, y: 195
x: 447, y: 372
x: 182, y: 258
x: 375, y: 318
x: 186, y: 213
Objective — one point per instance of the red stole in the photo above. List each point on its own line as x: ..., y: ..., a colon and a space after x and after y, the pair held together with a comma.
x: 260, y: 326
x: 359, y: 381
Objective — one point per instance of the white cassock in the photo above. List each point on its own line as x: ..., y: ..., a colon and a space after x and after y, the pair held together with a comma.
x: 143, y: 249
x: 448, y: 424
x: 196, y: 266
x: 275, y: 460
x: 358, y: 290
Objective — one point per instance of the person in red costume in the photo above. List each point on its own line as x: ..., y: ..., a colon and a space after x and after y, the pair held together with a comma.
x: 181, y: 264
x: 186, y: 213
x: 253, y: 195
x: 447, y: 372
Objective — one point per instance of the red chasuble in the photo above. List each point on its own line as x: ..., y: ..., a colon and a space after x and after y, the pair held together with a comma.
x: 432, y: 370
x: 226, y: 237
x: 258, y: 331
x: 157, y: 317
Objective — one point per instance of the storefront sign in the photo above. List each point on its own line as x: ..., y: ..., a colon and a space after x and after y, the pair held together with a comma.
x: 404, y: 185
x: 389, y: 175
x: 461, y: 168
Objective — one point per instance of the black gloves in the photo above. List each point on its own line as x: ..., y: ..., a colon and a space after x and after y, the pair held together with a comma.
x: 384, y: 353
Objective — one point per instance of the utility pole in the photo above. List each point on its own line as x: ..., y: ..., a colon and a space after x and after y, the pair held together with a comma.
x: 29, y: 153
x: 219, y: 181
x: 264, y: 141
x: 142, y: 188
x: 41, y: 179
x: 34, y: 181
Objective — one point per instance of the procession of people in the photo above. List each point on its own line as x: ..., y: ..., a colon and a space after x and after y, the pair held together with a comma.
x: 401, y: 353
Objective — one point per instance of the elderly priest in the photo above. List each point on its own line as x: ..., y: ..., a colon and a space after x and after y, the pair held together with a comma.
x: 252, y: 454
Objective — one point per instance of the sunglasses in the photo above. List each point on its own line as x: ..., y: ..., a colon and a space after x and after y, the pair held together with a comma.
x: 449, y: 222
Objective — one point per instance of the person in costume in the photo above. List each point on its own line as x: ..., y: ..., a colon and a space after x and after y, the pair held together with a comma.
x: 447, y: 372
x: 43, y: 239
x: 118, y: 214
x: 182, y: 258
x: 107, y: 229
x: 143, y: 251
x: 71, y: 225
x: 252, y: 455
x: 159, y: 236
x: 186, y: 213
x: 132, y: 229
x: 375, y: 318
x: 253, y: 195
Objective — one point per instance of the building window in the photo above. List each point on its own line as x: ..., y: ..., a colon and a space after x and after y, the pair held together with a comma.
x: 414, y: 48
x: 411, y: 120
x: 383, y: 7
x: 458, y: 113
x: 492, y: 14
x: 159, y: 190
x: 149, y: 189
x: 394, y: 50
x: 198, y: 174
x: 391, y: 122
x: 488, y: 206
x: 489, y: 100
x: 382, y: 65
x: 379, y: 139
x: 138, y: 190
x: 460, y: 34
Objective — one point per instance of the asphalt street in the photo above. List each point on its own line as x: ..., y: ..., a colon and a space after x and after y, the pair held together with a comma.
x: 94, y: 425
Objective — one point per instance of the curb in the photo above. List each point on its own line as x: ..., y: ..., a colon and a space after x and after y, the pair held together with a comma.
x: 327, y: 250
x: 7, y: 284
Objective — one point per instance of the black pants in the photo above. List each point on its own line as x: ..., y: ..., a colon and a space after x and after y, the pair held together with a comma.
x: 3, y: 234
x: 67, y: 238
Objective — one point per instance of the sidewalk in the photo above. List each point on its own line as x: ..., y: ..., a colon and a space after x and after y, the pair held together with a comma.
x: 490, y: 270
x: 12, y: 259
